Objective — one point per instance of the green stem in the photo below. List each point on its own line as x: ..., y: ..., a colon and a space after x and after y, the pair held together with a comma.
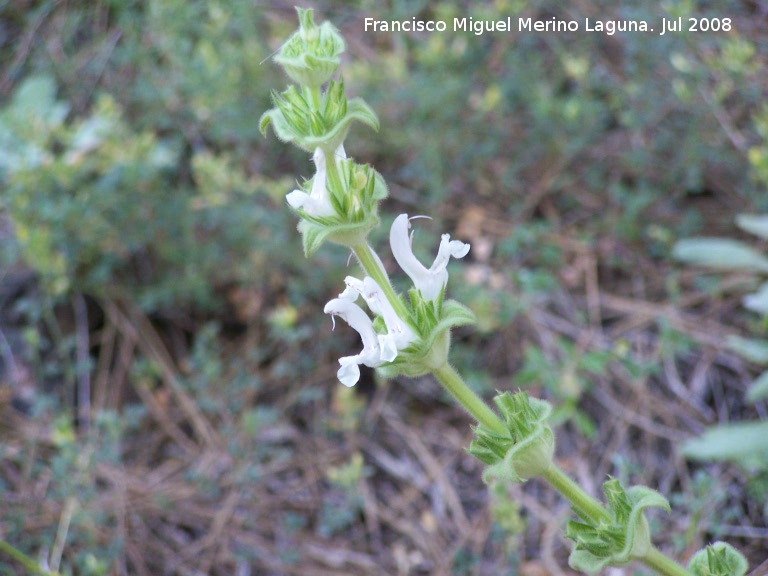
x: 29, y: 564
x: 663, y: 565
x: 453, y: 382
x: 373, y: 268
x: 314, y: 97
x: 585, y: 505
x: 332, y: 171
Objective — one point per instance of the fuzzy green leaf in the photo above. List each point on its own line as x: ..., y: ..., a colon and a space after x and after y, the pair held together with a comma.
x: 314, y: 233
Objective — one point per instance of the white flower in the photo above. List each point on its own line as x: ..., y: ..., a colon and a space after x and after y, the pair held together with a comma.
x: 428, y: 281
x: 399, y: 335
x: 346, y: 309
x: 318, y: 202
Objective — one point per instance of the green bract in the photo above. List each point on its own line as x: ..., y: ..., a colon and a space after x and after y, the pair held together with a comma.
x: 433, y: 321
x: 316, y: 121
x: 355, y: 191
x: 620, y: 540
x: 311, y: 55
x: 718, y: 559
x: 527, y: 450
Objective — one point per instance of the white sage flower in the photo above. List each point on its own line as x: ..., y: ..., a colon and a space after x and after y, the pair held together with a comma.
x: 352, y: 314
x: 429, y: 281
x: 399, y: 335
x: 318, y: 202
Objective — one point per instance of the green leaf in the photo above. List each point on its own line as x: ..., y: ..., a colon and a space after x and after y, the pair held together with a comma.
x: 344, y: 233
x: 749, y: 348
x: 720, y: 253
x: 312, y: 237
x: 643, y: 497
x: 456, y: 314
x: 754, y: 224
x: 739, y: 442
x: 759, y: 388
x: 358, y: 109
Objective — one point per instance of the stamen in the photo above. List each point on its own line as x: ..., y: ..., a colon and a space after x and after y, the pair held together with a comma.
x: 270, y: 56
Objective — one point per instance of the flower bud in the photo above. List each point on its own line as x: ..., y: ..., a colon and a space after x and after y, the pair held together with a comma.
x: 311, y: 55
x: 718, y: 559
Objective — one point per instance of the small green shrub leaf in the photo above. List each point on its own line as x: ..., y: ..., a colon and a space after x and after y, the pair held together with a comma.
x: 739, y: 442
x: 749, y: 348
x: 759, y: 388
x: 720, y: 253
x: 754, y: 224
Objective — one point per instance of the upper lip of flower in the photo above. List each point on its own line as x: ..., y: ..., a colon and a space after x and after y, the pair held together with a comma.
x: 429, y: 282
x: 318, y: 202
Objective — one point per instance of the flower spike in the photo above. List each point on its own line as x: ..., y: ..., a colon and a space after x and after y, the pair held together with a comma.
x: 312, y: 54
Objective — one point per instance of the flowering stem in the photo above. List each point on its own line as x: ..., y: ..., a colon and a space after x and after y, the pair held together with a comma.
x: 585, y: 505
x: 453, y: 382
x: 663, y: 565
x: 373, y: 268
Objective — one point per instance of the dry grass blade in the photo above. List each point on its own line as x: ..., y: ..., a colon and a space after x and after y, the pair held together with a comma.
x: 134, y: 324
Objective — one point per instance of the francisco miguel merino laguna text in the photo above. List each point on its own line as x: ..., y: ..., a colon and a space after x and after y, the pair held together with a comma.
x: 479, y: 27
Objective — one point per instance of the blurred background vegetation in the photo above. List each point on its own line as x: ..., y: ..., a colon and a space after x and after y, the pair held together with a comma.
x: 168, y: 402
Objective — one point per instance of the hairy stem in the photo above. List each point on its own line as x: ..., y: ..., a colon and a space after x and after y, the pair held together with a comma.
x: 314, y: 97
x: 585, y: 505
x: 663, y: 565
x: 453, y: 382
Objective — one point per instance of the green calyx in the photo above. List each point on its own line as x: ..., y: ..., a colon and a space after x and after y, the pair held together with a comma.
x: 433, y: 321
x: 355, y: 191
x: 311, y: 55
x: 718, y: 559
x: 621, y: 539
x: 315, y: 121
x: 528, y: 448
